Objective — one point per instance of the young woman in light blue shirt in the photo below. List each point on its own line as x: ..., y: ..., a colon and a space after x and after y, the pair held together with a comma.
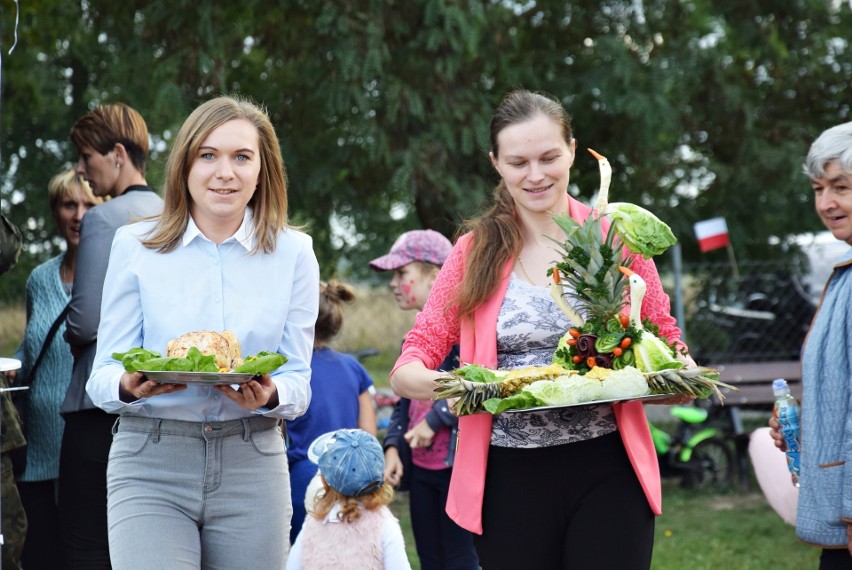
x: 197, y: 474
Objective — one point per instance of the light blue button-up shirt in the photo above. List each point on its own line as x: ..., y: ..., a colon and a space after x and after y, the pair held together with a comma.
x: 270, y: 301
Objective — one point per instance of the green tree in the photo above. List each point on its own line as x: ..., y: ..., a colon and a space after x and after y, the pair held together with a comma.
x: 382, y: 107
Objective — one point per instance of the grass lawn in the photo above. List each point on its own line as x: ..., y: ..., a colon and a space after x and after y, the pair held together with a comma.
x: 729, y: 531
x: 732, y: 531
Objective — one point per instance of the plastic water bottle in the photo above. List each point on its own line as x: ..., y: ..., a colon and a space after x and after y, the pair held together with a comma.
x: 786, y: 412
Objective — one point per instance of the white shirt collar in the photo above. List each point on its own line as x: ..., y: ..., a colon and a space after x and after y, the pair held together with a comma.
x: 244, y: 234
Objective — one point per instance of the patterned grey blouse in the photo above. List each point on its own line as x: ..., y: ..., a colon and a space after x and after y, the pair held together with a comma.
x: 529, y: 327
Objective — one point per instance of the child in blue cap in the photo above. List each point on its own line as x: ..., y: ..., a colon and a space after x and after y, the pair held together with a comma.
x: 350, y: 525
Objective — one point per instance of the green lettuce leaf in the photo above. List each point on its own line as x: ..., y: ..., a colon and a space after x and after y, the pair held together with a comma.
x: 652, y: 354
x: 476, y: 373
x: 521, y: 400
x: 137, y: 359
x: 263, y: 362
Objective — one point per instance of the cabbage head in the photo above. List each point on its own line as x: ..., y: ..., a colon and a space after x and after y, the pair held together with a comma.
x: 640, y: 230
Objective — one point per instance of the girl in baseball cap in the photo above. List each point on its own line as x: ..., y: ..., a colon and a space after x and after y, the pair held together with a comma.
x: 351, y: 511
x: 420, y: 439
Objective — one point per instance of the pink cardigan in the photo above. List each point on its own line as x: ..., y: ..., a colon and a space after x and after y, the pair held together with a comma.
x: 437, y: 328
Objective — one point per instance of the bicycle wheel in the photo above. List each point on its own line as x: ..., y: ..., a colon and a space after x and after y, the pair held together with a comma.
x: 711, y: 466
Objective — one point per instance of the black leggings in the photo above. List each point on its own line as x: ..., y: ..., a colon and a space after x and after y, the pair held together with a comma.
x: 573, y: 506
x: 441, y: 543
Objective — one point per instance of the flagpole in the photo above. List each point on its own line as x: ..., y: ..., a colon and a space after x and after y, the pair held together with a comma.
x: 677, y: 265
x: 733, y: 261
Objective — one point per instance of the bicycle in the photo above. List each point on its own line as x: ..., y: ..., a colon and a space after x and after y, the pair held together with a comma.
x: 697, y: 453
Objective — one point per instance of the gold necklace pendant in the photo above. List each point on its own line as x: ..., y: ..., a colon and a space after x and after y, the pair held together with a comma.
x: 524, y: 270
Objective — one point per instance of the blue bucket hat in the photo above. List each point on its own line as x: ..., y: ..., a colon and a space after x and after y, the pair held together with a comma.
x: 351, y: 461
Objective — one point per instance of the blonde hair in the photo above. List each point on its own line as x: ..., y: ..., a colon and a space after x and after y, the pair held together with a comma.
x: 350, y: 507
x: 63, y: 185
x: 269, y: 202
x: 497, y: 232
x: 108, y: 125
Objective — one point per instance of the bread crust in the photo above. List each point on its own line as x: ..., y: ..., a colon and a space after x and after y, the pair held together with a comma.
x: 224, y: 346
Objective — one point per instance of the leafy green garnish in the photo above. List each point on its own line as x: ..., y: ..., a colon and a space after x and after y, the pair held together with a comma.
x: 263, y: 362
x: 476, y: 373
x: 520, y: 400
x: 608, y: 341
x: 137, y: 359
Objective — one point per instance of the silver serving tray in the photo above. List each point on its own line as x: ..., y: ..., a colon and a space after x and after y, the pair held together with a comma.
x: 208, y: 378
x: 648, y: 398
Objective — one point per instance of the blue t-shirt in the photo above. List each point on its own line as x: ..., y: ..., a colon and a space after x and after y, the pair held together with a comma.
x: 337, y: 381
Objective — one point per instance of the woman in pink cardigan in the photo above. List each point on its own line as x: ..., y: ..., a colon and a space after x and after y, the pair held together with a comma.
x: 574, y: 487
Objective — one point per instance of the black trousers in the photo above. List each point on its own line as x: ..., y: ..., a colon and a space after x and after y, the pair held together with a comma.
x: 41, y: 546
x: 82, y: 489
x: 835, y: 559
x: 574, y: 506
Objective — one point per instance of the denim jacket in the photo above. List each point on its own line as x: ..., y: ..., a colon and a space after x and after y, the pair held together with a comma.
x: 825, y: 494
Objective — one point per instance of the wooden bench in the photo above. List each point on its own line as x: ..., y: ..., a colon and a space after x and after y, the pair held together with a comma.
x: 754, y: 383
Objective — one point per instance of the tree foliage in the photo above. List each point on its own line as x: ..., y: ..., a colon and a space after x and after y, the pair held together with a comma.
x: 382, y: 107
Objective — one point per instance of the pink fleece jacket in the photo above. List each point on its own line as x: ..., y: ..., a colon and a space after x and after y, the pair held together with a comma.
x: 438, y: 327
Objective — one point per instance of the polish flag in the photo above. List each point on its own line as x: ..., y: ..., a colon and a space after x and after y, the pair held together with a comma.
x: 712, y: 234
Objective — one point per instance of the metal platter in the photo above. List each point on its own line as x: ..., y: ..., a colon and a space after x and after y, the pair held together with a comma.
x: 207, y: 378
x: 648, y: 398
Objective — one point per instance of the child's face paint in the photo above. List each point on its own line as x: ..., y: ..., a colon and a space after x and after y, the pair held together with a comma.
x: 411, y: 285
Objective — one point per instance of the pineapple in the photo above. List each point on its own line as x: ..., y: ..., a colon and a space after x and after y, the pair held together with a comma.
x: 500, y: 384
x: 588, y: 272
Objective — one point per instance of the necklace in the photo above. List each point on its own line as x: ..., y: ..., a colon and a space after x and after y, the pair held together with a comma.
x: 524, y: 270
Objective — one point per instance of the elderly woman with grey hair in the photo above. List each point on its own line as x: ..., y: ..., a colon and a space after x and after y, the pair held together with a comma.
x: 824, y: 515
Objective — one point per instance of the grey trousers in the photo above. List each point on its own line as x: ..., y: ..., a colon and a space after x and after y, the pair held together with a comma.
x: 198, y: 494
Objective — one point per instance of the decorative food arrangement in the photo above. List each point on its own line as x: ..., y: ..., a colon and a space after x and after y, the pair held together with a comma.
x: 605, y: 356
x: 201, y: 351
